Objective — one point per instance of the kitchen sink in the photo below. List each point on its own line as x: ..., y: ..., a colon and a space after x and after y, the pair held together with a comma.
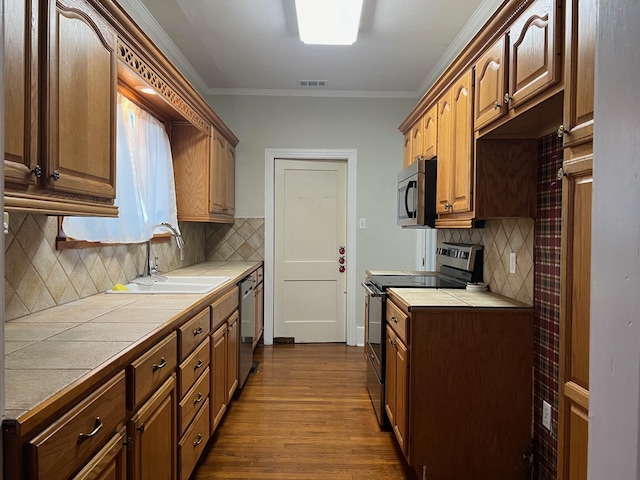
x: 178, y: 284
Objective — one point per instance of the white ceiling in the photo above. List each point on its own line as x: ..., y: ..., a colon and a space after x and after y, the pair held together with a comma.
x: 252, y: 46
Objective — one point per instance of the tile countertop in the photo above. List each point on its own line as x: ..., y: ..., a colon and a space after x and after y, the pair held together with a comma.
x: 419, y: 298
x: 48, y: 351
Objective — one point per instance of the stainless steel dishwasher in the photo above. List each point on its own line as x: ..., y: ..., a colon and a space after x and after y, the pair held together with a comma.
x: 247, y: 328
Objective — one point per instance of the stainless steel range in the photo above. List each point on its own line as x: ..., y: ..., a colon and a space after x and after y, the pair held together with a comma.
x: 459, y: 263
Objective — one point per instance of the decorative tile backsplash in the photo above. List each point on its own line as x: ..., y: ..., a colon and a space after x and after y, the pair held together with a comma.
x: 500, y: 238
x: 242, y: 241
x: 37, y: 276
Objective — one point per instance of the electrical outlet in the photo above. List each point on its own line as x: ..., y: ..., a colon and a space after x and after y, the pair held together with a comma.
x: 512, y: 262
x: 546, y: 415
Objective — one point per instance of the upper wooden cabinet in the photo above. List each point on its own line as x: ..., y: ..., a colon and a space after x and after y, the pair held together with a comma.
x: 406, y: 152
x: 204, y: 172
x: 580, y: 47
x: 421, y: 141
x: 532, y: 47
x: 68, y: 166
x: 455, y: 152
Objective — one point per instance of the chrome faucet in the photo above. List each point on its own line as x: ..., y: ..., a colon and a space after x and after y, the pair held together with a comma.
x: 152, y: 266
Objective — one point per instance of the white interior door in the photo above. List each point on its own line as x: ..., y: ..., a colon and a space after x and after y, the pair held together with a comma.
x: 310, y: 229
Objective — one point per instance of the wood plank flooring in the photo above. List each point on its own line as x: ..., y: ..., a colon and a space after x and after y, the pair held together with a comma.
x: 305, y: 414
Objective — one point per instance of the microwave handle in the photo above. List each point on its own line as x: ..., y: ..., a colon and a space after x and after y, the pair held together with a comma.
x: 410, y: 185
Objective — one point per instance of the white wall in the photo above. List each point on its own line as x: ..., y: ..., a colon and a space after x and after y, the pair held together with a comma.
x: 366, y: 124
x: 614, y: 403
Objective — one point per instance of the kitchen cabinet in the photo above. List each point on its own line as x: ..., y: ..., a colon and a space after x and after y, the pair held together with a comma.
x: 224, y: 354
x: 70, y: 442
x: 421, y: 140
x: 460, y: 382
x: 520, y: 65
x: 407, y: 154
x: 455, y: 152
x: 204, y: 173
x: 61, y: 81
x: 153, y: 436
x: 110, y: 462
x: 577, y: 192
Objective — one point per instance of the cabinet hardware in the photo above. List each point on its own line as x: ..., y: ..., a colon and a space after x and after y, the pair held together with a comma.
x: 37, y: 171
x: 561, y: 131
x: 507, y: 98
x: 198, y: 365
x: 496, y: 105
x: 96, y: 428
x: 141, y: 428
x: 560, y: 174
x: 55, y: 175
x: 158, y: 366
x: 198, y: 441
x: 394, y: 319
x: 197, y: 331
x: 448, y: 206
x: 198, y: 399
x: 393, y: 343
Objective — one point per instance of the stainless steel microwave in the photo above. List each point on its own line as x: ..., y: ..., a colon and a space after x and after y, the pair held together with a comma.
x: 417, y: 194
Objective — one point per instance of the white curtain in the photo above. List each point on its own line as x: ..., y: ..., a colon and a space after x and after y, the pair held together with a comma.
x: 145, y: 189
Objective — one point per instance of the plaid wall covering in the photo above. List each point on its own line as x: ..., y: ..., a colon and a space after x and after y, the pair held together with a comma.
x: 547, y: 304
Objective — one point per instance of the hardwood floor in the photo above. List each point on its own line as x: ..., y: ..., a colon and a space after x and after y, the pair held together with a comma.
x: 305, y: 414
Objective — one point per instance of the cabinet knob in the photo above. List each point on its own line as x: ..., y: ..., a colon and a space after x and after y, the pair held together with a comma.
x: 560, y: 174
x: 198, y: 365
x: 507, y: 98
x: 394, y: 319
x: 561, y: 131
x: 55, y: 175
x: 37, y: 171
x: 496, y: 105
x: 198, y: 399
x: 448, y: 206
x: 393, y: 343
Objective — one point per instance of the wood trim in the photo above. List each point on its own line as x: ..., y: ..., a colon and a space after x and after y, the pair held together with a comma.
x: 577, y: 394
x: 578, y: 165
x: 24, y: 202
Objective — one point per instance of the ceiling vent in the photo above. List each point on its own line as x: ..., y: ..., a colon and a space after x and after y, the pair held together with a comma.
x: 313, y: 83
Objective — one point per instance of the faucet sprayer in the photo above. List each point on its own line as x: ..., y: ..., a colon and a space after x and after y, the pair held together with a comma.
x: 175, y: 233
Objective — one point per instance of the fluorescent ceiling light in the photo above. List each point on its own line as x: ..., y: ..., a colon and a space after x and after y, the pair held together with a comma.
x: 328, y: 22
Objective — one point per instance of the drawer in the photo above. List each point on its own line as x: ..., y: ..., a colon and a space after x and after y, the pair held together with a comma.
x: 193, y: 442
x: 68, y: 443
x: 193, y: 332
x: 148, y: 372
x: 193, y: 367
x: 398, y: 321
x: 108, y: 463
x: 193, y: 400
x: 223, y: 307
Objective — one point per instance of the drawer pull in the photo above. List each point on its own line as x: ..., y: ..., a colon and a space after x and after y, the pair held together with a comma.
x: 141, y: 428
x: 198, y: 399
x: 394, y: 319
x: 198, y: 441
x: 96, y: 428
x: 198, y: 365
x: 158, y: 366
x: 197, y: 331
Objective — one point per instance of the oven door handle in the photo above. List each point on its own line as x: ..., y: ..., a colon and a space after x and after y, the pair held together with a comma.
x: 372, y: 292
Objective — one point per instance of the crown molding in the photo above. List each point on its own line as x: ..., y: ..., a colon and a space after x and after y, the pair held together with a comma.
x: 150, y: 25
x: 479, y: 18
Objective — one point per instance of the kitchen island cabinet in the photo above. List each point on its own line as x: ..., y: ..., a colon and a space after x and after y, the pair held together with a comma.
x: 469, y: 381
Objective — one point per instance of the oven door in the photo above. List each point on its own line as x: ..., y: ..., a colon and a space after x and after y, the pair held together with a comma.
x: 375, y: 306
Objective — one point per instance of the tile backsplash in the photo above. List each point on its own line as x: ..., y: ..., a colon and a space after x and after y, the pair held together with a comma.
x: 500, y: 238
x: 38, y: 276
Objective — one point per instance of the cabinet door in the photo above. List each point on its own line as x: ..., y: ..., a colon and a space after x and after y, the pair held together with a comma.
x: 153, y: 434
x: 80, y: 97
x: 21, y: 125
x: 491, y: 82
x: 402, y: 400
x: 533, y: 52
x: 455, y: 159
x: 416, y: 141
x: 218, y: 392
x: 217, y: 174
x: 391, y: 372
x: 109, y: 463
x: 406, y: 152
x: 230, y: 183
x: 580, y: 46
x: 233, y: 338
x: 575, y: 318
x: 429, y: 125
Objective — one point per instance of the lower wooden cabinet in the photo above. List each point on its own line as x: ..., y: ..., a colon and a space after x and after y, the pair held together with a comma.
x: 397, y: 380
x: 153, y: 436
x: 193, y: 442
x: 110, y: 463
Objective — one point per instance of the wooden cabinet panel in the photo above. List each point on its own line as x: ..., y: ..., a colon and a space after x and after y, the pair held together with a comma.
x: 110, y: 463
x: 580, y: 46
x: 69, y: 443
x: 491, y: 82
x: 233, y: 341
x: 192, y: 367
x: 218, y: 392
x: 407, y: 159
x: 223, y: 307
x: 81, y: 101
x: 193, y: 401
x: 230, y: 185
x: 398, y: 321
x: 416, y: 141
x: 455, y: 152
x: 396, y: 388
x: 430, y: 133
x: 191, y: 334
x: 153, y: 436
x: 533, y: 56
x: 193, y: 442
x: 217, y: 172
x: 151, y: 369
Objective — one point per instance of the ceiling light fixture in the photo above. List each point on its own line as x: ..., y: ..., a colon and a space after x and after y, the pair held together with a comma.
x: 328, y: 22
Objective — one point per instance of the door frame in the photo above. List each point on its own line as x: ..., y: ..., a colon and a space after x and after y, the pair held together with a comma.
x: 270, y: 156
